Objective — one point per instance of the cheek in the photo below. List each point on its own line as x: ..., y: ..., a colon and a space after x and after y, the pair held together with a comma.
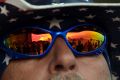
x: 93, y: 68
x: 26, y: 70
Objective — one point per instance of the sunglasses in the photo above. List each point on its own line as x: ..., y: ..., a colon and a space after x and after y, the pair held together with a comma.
x: 35, y: 42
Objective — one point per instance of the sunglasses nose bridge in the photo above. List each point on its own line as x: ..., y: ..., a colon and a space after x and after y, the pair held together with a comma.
x: 55, y: 35
x: 62, y: 34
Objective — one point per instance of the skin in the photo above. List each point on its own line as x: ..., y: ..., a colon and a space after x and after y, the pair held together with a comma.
x: 59, y: 64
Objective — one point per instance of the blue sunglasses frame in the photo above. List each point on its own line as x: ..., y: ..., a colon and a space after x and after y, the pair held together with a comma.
x: 16, y: 55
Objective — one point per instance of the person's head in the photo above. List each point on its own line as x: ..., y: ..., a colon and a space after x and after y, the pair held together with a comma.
x: 58, y: 43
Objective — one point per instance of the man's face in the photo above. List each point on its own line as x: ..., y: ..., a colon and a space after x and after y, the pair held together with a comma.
x: 59, y: 64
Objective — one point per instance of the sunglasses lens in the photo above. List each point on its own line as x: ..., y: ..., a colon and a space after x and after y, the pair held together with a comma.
x: 28, y: 41
x: 85, y: 41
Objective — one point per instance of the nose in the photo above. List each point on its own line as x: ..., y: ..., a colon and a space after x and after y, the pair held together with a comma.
x: 64, y: 59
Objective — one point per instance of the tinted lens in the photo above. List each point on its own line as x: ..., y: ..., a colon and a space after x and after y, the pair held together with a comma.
x: 28, y: 41
x: 85, y: 41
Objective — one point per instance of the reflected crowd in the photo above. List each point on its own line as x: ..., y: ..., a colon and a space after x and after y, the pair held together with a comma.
x: 38, y: 47
x: 32, y: 48
x: 83, y: 45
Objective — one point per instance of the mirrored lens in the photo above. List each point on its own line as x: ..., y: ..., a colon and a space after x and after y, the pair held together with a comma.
x: 28, y: 41
x: 85, y: 41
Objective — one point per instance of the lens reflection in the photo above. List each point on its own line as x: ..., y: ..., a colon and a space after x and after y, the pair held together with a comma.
x: 85, y: 41
x: 26, y: 41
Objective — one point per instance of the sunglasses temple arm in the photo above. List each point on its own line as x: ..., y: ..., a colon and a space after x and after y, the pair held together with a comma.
x: 107, y: 57
x: 108, y: 61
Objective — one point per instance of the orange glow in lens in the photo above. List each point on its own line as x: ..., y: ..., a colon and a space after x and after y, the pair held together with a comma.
x: 85, y: 34
x: 41, y: 37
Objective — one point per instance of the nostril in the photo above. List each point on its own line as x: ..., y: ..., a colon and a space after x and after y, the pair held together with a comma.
x: 59, y: 67
x: 72, y: 67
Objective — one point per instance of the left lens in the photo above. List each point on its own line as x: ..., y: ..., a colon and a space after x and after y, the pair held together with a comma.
x: 28, y: 41
x: 85, y: 41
